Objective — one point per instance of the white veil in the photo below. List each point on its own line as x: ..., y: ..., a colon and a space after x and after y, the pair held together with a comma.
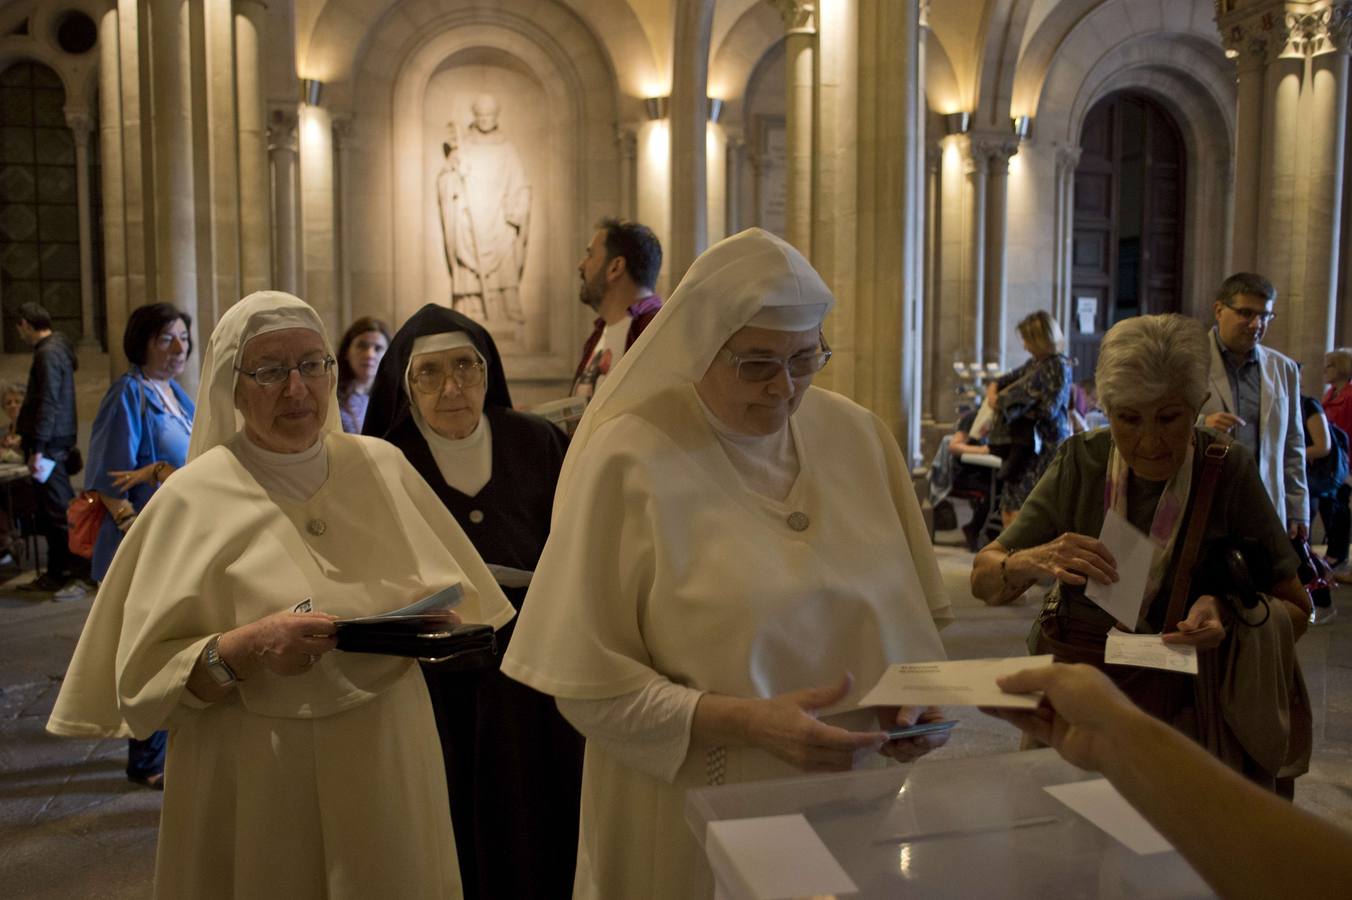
x: 217, y: 420
x: 722, y: 292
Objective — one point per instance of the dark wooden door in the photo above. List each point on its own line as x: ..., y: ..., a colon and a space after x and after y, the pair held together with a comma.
x: 1127, y: 239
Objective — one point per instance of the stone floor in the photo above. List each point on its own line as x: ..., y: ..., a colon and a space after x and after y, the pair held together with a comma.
x: 71, y: 826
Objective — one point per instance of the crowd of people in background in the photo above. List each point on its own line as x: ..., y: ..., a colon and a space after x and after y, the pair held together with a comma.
x: 651, y: 579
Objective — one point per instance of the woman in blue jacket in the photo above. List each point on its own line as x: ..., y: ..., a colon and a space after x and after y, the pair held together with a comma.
x: 140, y: 438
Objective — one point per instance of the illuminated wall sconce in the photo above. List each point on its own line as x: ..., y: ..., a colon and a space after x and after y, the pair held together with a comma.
x: 1231, y: 53
x: 1022, y: 125
x: 311, y: 91
x: 715, y: 109
x: 656, y: 107
x: 957, y: 123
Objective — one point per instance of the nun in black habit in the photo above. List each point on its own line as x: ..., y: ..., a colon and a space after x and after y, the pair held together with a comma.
x: 513, y: 764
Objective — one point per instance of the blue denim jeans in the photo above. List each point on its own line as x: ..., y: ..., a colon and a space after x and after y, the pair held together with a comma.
x: 146, y: 757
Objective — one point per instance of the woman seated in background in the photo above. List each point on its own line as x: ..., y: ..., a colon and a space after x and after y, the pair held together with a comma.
x: 359, y: 354
x: 140, y: 438
x: 1148, y: 467
x: 728, y: 542
x: 1031, y: 411
x: 292, y: 771
x: 513, y: 765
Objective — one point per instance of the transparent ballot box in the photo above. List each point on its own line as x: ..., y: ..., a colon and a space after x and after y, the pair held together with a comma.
x: 967, y: 828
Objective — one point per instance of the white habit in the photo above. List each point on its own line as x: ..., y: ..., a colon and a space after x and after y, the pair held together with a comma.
x: 662, y: 564
x: 325, y: 784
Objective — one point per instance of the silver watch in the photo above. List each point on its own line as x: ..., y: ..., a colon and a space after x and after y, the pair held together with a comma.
x: 220, y: 671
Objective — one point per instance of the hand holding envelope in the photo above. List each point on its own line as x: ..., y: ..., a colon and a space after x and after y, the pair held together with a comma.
x: 959, y: 682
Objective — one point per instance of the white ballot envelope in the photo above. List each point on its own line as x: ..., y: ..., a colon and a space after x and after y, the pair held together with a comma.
x: 1150, y: 651
x: 958, y: 682
x: 1134, y: 552
x: 775, y: 858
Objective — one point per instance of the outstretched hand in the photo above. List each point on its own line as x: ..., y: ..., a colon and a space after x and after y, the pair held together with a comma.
x: 785, y: 726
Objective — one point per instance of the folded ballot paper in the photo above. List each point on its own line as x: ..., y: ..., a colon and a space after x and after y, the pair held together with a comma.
x: 958, y: 682
x: 432, y: 608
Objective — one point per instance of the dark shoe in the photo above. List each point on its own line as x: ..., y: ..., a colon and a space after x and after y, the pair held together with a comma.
x: 155, y: 782
x: 45, y: 584
x: 1320, y: 615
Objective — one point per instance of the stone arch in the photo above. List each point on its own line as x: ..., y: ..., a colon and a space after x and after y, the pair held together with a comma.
x: 1190, y: 78
x: 387, y: 178
x: 343, y: 37
x: 739, y: 58
x: 79, y: 74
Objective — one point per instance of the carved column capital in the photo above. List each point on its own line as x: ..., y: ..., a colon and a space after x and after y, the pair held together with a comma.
x: 800, y: 16
x: 1254, y: 38
x: 81, y: 123
x: 1067, y: 158
x: 996, y: 151
x: 282, y: 124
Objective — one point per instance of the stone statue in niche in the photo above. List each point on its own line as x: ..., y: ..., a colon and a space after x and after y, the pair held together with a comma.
x: 484, y: 200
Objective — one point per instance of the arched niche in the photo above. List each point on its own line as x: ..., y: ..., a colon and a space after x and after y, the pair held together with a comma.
x: 1191, y: 80
x: 558, y: 98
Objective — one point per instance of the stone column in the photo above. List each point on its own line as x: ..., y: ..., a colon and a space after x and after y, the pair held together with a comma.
x: 344, y: 136
x: 255, y: 248
x: 735, y: 217
x: 174, y: 153
x: 626, y: 139
x: 800, y: 53
x: 115, y: 238
x: 81, y: 125
x: 1303, y: 52
x: 283, y: 154
x: 976, y: 166
x: 997, y: 150
x: 1067, y: 160
x: 938, y: 375
x: 689, y: 114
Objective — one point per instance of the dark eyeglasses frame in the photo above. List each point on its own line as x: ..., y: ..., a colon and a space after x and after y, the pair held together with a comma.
x: 1263, y: 316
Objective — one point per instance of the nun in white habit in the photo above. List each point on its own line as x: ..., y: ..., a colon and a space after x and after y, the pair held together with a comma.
x: 292, y: 771
x: 728, y: 543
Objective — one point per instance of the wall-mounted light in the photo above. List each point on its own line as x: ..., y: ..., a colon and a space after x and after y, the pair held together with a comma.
x: 1231, y: 53
x: 715, y: 109
x: 957, y: 123
x: 656, y: 107
x: 311, y: 91
x: 1021, y: 125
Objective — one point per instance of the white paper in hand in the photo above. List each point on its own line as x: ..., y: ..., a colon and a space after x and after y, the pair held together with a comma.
x: 1149, y: 650
x: 1133, y: 552
x: 958, y: 682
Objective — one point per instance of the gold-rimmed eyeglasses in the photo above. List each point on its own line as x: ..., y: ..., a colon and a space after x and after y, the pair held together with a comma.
x: 270, y: 376
x: 432, y: 380
x: 763, y: 368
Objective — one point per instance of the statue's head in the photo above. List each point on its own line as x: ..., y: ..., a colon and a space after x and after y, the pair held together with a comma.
x: 485, y: 111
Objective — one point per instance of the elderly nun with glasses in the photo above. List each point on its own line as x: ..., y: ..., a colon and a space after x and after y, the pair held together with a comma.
x: 294, y: 770
x: 730, y: 545
x: 513, y: 765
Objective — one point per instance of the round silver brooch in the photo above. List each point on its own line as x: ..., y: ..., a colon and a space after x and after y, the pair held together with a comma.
x: 799, y: 521
x: 316, y: 527
x: 476, y: 516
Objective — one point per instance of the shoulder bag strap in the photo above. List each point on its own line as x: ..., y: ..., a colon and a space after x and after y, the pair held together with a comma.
x: 1213, y: 460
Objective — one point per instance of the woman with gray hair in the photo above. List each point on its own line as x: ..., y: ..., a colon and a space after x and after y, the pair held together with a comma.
x: 1159, y: 471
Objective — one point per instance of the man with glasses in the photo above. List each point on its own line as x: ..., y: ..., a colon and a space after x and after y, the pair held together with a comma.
x: 1255, y: 394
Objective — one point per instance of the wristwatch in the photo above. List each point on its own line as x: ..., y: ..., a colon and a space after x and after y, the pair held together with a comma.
x: 220, y: 671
